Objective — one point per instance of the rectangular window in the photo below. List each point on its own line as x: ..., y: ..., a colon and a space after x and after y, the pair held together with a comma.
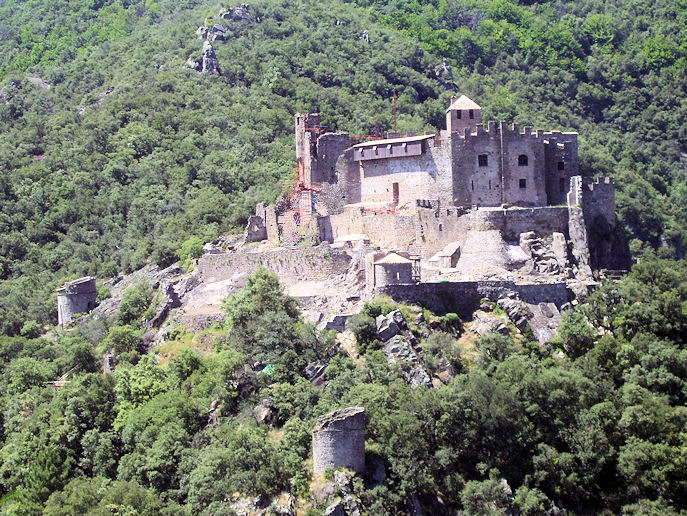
x: 472, y: 114
x: 483, y: 160
x: 523, y: 183
x: 561, y: 165
x: 459, y: 114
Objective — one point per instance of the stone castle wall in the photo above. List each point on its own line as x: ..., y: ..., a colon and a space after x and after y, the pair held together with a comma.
x: 417, y: 177
x: 431, y: 229
x: 306, y: 264
x: 463, y: 297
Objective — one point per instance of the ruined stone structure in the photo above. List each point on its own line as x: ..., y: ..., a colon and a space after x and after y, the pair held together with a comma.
x: 75, y: 297
x: 338, y: 441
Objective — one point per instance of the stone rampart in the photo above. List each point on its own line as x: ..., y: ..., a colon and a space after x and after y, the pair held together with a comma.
x: 306, y: 264
x: 338, y: 441
x: 463, y: 297
x: 432, y: 228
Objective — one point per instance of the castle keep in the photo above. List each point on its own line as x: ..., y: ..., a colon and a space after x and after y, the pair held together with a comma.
x: 466, y: 165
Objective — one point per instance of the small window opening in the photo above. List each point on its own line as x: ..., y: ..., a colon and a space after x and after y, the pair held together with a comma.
x: 472, y: 184
x: 398, y: 276
x: 483, y: 160
x: 472, y: 114
x: 376, y: 150
x: 523, y: 183
x: 490, y: 184
x: 441, y: 227
x: 459, y: 114
x: 522, y: 160
x: 561, y: 165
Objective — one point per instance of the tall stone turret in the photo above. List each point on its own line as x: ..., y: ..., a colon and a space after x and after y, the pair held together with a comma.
x: 338, y: 440
x: 75, y: 297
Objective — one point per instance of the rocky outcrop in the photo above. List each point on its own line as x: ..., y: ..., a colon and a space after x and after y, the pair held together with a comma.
x: 545, y: 259
x: 402, y: 348
x: 208, y: 62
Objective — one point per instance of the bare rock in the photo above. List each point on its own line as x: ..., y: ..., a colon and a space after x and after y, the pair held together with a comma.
x: 517, y: 311
x: 399, y: 350
x: 386, y: 328
x: 263, y: 413
x: 485, y: 323
x: 335, y: 509
x: 210, y: 63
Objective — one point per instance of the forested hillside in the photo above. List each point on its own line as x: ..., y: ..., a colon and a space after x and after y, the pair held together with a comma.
x: 595, y: 425
x: 113, y: 152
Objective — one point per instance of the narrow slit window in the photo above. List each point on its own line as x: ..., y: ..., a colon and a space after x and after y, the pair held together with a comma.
x: 441, y: 227
x: 472, y: 184
x: 483, y: 160
x: 398, y: 276
x: 522, y: 160
x: 561, y: 165
x: 490, y: 184
x: 472, y: 114
x: 523, y: 183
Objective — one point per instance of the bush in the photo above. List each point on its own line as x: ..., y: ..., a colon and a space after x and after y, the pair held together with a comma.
x: 135, y: 302
x: 123, y: 339
x: 364, y: 328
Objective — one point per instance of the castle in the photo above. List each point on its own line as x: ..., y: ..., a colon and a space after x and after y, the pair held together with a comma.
x: 466, y: 165
x: 435, y: 195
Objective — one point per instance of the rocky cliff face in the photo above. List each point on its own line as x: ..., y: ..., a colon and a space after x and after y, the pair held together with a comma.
x: 208, y: 62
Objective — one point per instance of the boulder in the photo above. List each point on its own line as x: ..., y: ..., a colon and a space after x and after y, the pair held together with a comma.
x: 314, y: 372
x: 386, y: 328
x: 335, y: 509
x: 263, y: 412
x: 397, y: 317
x: 484, y: 323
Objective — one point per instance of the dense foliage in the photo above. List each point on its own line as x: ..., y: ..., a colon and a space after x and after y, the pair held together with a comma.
x: 114, y: 153
x: 597, y: 424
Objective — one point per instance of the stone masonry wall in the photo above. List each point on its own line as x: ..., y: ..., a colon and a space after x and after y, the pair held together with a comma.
x: 74, y: 298
x: 329, y: 147
x: 418, y: 177
x: 312, y: 263
x: 338, y: 441
x: 433, y: 228
x: 513, y: 145
x: 463, y: 297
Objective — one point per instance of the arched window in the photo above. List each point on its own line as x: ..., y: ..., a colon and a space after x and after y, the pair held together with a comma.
x: 522, y: 160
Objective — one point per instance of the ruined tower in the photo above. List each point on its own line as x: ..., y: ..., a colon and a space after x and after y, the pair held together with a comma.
x: 338, y: 440
x: 462, y: 114
x: 75, y: 297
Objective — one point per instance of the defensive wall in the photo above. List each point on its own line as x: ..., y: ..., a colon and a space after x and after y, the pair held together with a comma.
x: 464, y: 297
x: 301, y: 264
x: 434, y: 227
x: 402, y: 179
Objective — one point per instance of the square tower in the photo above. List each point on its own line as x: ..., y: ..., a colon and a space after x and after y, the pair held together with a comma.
x: 463, y: 113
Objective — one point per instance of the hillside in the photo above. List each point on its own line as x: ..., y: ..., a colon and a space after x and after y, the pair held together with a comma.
x: 128, y: 152
x: 115, y: 154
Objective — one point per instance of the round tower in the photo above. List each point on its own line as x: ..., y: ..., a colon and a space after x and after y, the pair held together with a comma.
x: 338, y: 441
x: 76, y: 297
